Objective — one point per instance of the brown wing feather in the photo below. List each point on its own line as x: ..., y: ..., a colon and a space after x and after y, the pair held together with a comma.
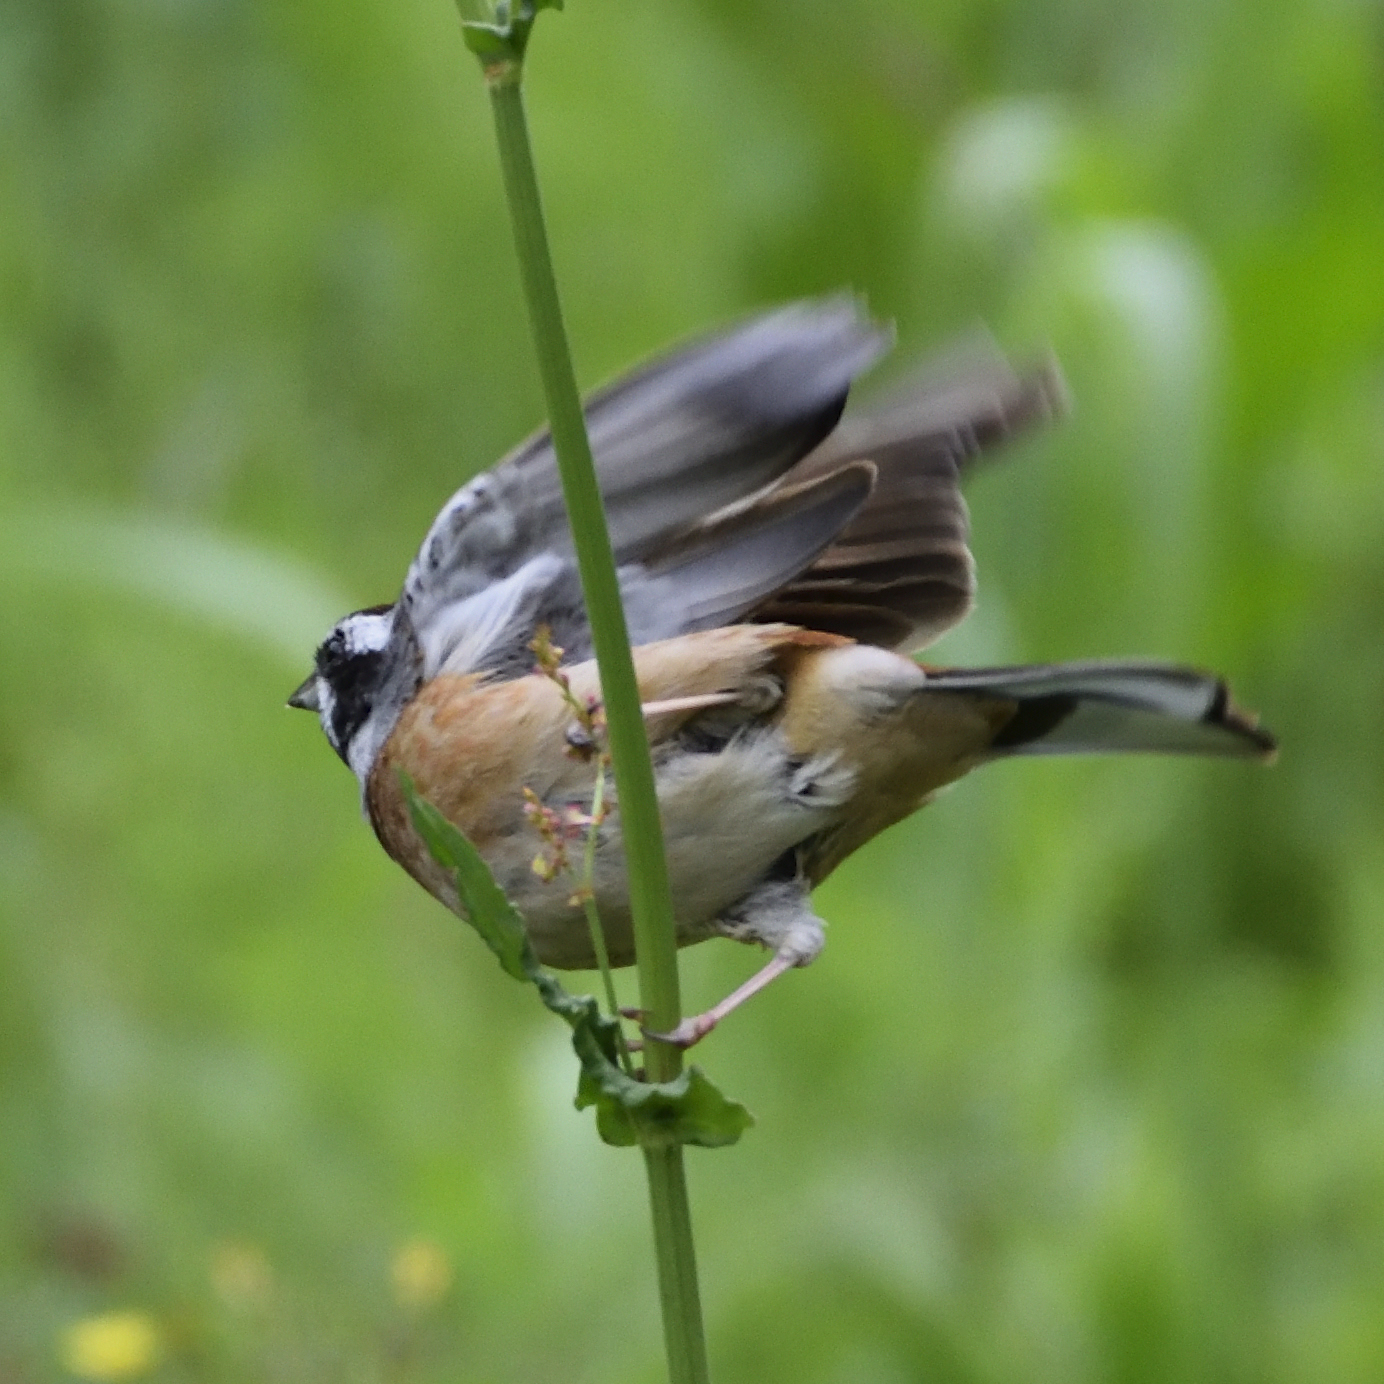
x: 900, y: 573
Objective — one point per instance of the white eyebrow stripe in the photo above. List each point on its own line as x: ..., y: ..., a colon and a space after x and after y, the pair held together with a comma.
x: 367, y: 633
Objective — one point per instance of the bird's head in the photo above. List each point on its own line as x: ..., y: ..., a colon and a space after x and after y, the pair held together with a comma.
x: 358, y: 685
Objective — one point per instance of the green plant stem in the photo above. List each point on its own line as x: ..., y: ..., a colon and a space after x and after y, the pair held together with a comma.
x: 650, y: 899
x: 679, y: 1298
x: 650, y: 902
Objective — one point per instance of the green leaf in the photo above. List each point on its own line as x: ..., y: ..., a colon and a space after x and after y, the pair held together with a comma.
x: 505, y: 37
x: 687, y: 1110
x: 489, y: 42
x: 486, y: 907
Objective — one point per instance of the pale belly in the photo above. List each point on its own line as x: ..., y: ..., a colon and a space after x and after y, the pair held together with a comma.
x: 852, y: 748
x: 727, y: 821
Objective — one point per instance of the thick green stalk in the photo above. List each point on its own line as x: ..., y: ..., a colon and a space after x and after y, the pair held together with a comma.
x: 650, y: 902
x: 679, y: 1298
x: 650, y: 899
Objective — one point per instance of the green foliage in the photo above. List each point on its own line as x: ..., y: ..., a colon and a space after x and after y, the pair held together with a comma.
x: 1086, y: 1086
x: 686, y: 1110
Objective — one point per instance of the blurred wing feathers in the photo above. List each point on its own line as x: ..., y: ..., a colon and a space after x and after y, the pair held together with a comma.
x: 676, y: 440
x: 717, y: 570
x: 901, y: 573
x: 731, y: 493
x: 967, y: 400
x: 718, y: 422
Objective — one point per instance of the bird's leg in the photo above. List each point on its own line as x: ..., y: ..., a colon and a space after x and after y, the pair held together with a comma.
x: 778, y: 915
x: 694, y: 1028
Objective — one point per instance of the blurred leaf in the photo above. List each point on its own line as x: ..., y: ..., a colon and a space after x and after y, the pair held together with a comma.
x: 220, y: 581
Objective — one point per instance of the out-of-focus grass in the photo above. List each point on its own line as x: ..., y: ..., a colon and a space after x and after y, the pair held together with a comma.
x: 1089, y: 1084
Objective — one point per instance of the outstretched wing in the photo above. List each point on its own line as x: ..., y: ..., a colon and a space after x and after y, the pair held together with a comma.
x: 692, y: 435
x: 901, y: 573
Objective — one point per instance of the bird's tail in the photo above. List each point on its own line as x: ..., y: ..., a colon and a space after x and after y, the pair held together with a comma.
x: 1112, y: 708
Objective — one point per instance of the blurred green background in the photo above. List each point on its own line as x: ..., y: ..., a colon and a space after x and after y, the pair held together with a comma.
x: 1089, y: 1084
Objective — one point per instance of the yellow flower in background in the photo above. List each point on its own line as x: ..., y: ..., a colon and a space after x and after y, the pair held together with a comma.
x: 241, y: 1275
x: 113, y: 1345
x: 421, y: 1272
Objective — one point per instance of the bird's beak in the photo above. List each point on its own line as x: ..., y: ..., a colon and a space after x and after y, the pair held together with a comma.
x: 305, y: 696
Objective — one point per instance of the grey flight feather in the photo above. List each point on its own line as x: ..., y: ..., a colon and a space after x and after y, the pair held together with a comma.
x: 716, y: 571
x: 689, y: 432
x: 695, y: 432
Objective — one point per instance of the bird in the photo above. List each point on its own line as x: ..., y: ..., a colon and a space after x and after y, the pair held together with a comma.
x: 781, y: 563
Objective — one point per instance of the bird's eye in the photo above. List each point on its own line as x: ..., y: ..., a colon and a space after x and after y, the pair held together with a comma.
x: 332, y: 651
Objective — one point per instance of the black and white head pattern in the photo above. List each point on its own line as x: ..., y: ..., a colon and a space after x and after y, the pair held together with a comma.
x: 364, y: 675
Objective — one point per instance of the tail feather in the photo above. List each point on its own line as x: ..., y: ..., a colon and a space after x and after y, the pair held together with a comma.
x: 1113, y: 707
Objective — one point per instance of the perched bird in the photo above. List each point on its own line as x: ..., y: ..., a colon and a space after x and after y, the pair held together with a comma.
x: 773, y: 559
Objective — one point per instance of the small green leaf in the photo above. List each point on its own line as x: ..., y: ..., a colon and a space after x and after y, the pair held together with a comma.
x: 505, y: 37
x: 686, y: 1110
x: 487, y: 909
x: 488, y: 42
